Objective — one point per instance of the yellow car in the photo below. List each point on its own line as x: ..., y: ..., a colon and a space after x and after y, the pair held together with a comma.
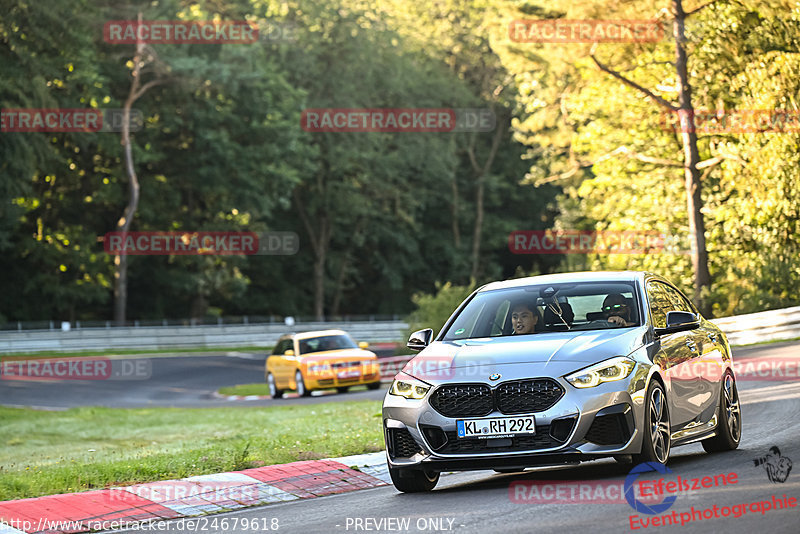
x: 323, y: 359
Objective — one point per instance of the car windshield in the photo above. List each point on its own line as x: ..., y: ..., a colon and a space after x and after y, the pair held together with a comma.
x: 547, y: 308
x: 322, y: 343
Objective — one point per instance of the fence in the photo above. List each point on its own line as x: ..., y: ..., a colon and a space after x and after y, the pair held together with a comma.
x: 741, y: 330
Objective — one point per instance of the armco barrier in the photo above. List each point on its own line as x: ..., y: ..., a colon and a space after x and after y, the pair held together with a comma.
x: 168, y: 337
x: 740, y: 330
x: 771, y: 325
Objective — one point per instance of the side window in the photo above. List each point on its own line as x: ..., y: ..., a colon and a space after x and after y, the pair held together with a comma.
x: 659, y: 304
x: 678, y: 302
x: 282, y: 347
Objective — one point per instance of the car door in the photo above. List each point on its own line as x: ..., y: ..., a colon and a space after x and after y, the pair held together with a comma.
x: 281, y: 365
x: 675, y: 356
x: 706, y: 360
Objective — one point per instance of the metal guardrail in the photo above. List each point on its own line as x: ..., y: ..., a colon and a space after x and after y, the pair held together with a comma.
x: 740, y: 330
x: 175, y: 337
x: 771, y: 325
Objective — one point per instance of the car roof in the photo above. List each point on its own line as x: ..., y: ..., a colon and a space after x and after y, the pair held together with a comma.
x: 315, y: 333
x: 560, y: 278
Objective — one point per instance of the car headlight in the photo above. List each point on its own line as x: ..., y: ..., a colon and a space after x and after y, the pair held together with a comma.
x: 320, y: 368
x: 410, y: 388
x: 608, y: 371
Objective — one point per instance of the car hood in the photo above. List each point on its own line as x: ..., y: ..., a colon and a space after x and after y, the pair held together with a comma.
x: 544, y: 354
x: 340, y: 355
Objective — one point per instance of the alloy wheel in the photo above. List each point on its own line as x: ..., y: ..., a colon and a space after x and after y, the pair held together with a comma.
x: 659, y: 425
x: 301, y: 386
x: 732, y: 410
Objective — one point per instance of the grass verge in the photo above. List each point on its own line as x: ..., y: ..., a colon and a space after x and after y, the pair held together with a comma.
x: 245, y: 389
x: 44, y: 453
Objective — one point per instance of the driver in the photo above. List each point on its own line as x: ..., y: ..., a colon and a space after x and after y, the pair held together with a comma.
x: 524, y: 318
x: 616, y: 310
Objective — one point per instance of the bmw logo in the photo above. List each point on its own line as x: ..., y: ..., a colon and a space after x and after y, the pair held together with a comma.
x: 494, y: 376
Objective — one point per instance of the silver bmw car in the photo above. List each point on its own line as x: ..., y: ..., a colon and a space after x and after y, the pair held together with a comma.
x: 561, y: 369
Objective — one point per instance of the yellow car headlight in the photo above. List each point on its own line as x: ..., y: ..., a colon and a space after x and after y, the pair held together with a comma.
x: 410, y: 388
x: 608, y: 371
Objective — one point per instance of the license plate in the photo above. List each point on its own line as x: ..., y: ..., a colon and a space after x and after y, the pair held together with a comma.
x: 350, y: 373
x: 496, y: 427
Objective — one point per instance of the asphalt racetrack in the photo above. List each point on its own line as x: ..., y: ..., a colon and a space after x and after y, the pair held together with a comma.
x: 183, y: 380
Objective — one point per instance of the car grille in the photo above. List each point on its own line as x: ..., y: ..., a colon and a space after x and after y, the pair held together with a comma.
x: 346, y: 365
x: 541, y: 440
x: 401, y: 444
x: 527, y: 396
x: 463, y: 400
x: 515, y: 397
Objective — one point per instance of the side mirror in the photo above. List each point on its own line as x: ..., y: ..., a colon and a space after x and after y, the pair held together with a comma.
x: 363, y: 345
x: 289, y: 352
x: 679, y: 321
x: 420, y: 339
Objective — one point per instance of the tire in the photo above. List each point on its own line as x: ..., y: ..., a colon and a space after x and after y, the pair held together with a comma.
x: 301, y: 388
x: 374, y: 385
x: 343, y: 389
x: 656, y: 440
x: 410, y: 480
x: 729, y: 428
x: 274, y: 392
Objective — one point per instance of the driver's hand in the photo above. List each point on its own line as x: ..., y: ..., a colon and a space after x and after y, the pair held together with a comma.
x: 615, y: 319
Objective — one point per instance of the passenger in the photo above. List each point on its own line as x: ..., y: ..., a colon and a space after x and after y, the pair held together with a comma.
x: 616, y: 310
x: 524, y: 318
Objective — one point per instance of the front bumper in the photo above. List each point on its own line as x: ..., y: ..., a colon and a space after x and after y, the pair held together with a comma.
x: 352, y: 375
x: 584, y: 424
